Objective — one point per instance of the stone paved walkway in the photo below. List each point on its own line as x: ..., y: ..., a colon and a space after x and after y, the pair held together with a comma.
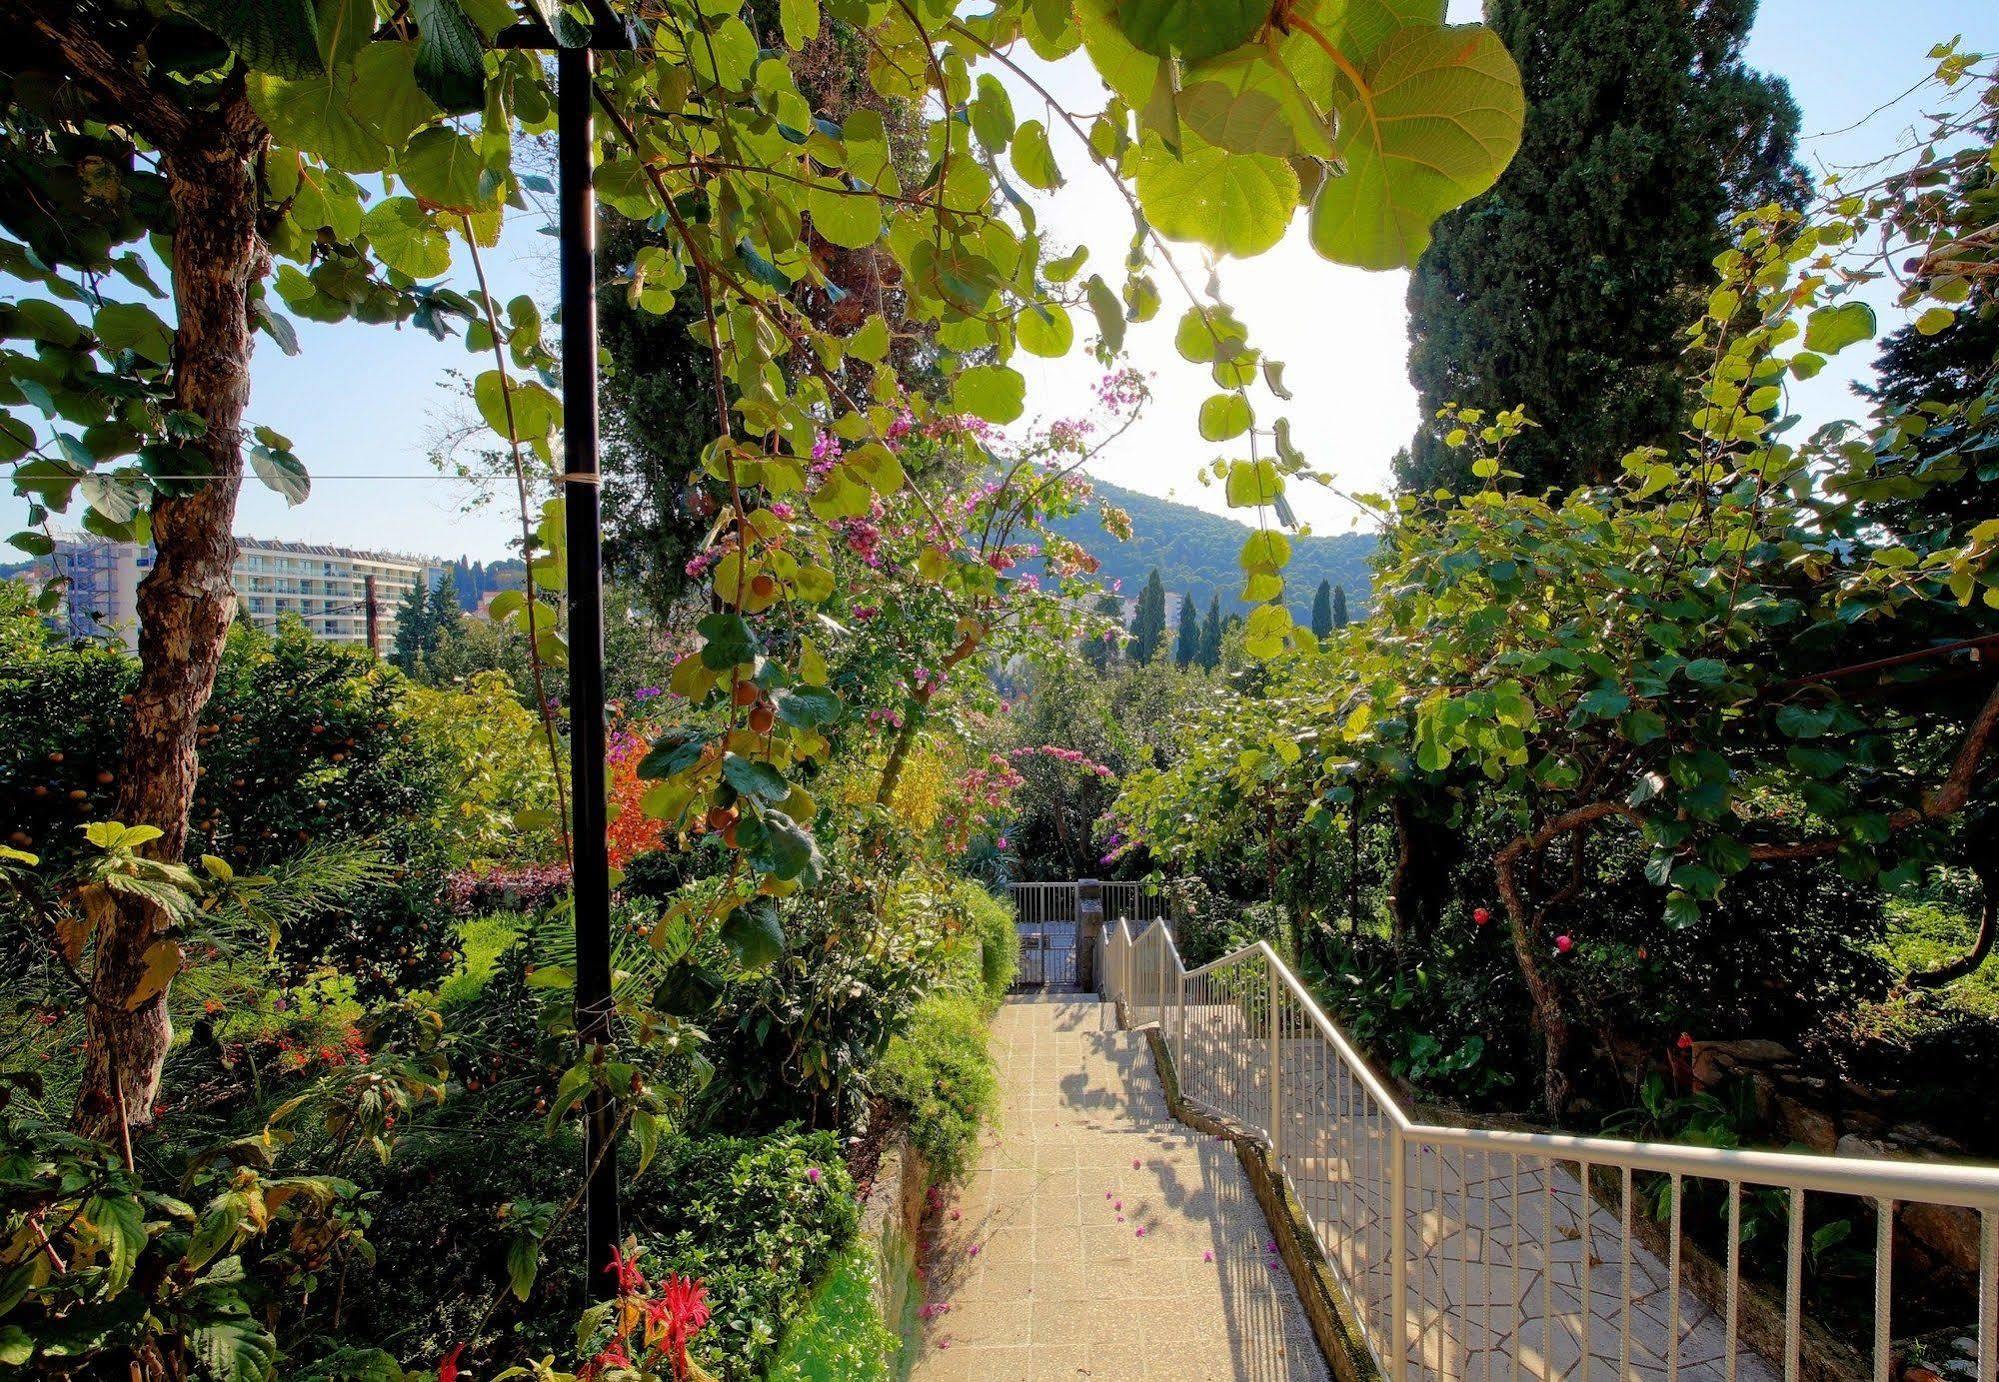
x: 1100, y: 1237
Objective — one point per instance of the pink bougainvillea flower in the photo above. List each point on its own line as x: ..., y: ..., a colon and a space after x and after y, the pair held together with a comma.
x: 1208, y: 1256
x: 1134, y: 1163
x: 812, y: 1173
x: 972, y: 1251
x: 1140, y: 1233
x: 955, y: 1214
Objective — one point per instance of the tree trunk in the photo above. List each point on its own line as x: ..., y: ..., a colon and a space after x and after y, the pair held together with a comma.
x: 185, y: 604
x: 1981, y: 945
x: 1551, y: 1019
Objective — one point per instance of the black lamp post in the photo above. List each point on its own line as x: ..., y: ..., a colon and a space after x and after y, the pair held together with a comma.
x: 590, y: 858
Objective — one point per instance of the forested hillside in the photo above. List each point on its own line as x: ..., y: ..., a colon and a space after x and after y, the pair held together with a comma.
x: 1196, y: 553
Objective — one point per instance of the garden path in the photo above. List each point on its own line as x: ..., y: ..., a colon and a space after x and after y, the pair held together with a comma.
x: 1099, y: 1236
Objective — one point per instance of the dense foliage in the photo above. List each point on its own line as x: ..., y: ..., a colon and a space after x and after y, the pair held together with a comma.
x: 1607, y: 729
x: 1645, y: 133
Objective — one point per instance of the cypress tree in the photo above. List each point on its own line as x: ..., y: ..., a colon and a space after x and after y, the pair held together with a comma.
x: 446, y: 613
x: 1211, y: 635
x: 1340, y: 619
x: 1566, y: 286
x: 1099, y: 649
x: 413, y: 629
x: 1148, y: 621
x: 1187, y: 647
x: 1322, y: 610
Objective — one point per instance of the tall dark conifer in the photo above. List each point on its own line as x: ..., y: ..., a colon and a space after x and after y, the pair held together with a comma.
x: 1148, y: 621
x: 1211, y: 635
x: 1566, y: 286
x: 1322, y: 610
x: 1187, y: 645
x: 1340, y: 619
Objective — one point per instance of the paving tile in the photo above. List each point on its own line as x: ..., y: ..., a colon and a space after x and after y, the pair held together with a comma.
x: 1061, y: 1287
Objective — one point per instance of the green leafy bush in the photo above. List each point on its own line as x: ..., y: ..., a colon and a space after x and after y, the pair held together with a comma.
x: 304, y: 742
x: 760, y: 1220
x: 939, y: 1076
x: 840, y: 1335
x: 984, y: 956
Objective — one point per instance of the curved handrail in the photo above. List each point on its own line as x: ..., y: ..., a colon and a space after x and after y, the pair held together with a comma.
x: 1963, y: 1184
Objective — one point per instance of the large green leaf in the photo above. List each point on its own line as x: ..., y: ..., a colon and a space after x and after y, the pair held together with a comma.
x: 444, y: 168
x: 450, y: 59
x: 1232, y: 203
x: 753, y: 936
x: 276, y: 36
x: 992, y: 392
x: 1033, y: 159
x: 1191, y: 29
x: 845, y: 219
x: 1834, y: 328
x: 404, y: 236
x: 1434, y: 123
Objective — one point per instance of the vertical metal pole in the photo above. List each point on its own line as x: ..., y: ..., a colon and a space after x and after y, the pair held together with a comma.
x: 1398, y: 1256
x: 591, y: 864
x: 1276, y: 1067
x: 1159, y: 1005
x: 373, y: 614
x: 1180, y: 1029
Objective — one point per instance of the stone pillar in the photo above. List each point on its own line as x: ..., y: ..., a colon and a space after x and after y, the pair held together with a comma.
x: 1089, y: 926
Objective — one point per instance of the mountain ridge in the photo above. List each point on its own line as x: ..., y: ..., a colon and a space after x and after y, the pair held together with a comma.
x: 1197, y: 553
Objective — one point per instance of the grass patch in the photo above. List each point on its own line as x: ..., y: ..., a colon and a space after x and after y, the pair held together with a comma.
x: 840, y: 1336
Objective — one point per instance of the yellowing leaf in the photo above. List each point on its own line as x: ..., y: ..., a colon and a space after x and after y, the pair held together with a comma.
x: 1435, y: 124
x: 160, y: 963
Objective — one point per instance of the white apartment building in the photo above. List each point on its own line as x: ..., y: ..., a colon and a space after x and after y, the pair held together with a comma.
x: 326, y: 587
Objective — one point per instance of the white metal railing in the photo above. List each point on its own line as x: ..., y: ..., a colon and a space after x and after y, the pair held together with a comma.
x: 1485, y: 1252
x: 1037, y: 902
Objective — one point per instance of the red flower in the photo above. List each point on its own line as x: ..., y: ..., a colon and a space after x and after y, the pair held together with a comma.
x: 631, y: 1281
x: 611, y: 1356
x: 676, y: 1315
x: 1481, y: 915
x: 1686, y: 1042
x: 1563, y: 944
x: 447, y: 1371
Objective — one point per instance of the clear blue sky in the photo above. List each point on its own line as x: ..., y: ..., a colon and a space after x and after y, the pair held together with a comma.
x: 364, y: 400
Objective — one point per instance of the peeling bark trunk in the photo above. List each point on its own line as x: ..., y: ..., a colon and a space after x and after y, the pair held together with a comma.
x: 185, y: 604
x: 1981, y: 945
x: 1550, y: 1017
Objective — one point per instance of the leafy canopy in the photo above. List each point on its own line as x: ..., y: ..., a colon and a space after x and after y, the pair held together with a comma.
x: 390, y: 138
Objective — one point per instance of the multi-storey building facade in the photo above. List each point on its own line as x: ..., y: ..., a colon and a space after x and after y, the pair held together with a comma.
x: 326, y: 587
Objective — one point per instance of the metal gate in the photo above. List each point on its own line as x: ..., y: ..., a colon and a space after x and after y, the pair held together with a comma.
x: 1045, y: 919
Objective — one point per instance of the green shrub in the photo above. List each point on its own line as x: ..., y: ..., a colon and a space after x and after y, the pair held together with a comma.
x: 984, y: 957
x: 760, y: 1220
x: 304, y: 741
x: 840, y: 1336
x: 940, y: 1077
